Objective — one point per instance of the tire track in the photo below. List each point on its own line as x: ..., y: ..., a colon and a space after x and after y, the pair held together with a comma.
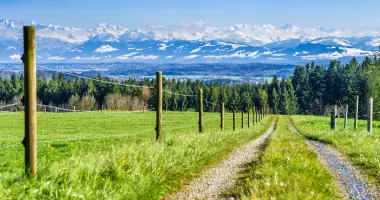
x: 348, y: 177
x: 212, y: 182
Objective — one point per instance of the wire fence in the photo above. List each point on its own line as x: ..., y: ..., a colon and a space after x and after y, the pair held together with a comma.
x: 97, y: 80
x: 10, y: 105
x: 62, y: 109
x: 178, y: 94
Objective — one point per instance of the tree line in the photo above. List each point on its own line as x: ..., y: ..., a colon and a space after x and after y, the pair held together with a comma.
x: 311, y: 89
x: 67, y: 91
x: 318, y: 88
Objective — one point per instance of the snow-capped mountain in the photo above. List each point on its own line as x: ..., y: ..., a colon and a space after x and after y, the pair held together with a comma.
x: 192, y: 42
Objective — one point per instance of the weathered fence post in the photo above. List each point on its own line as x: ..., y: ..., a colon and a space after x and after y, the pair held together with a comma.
x: 333, y: 118
x: 257, y: 115
x: 253, y: 115
x: 345, y: 116
x: 265, y: 111
x: 234, y: 120
x: 356, y: 113
x: 102, y: 108
x: 248, y: 118
x: 222, y: 117
x: 74, y: 109
x: 332, y: 121
x: 159, y: 105
x: 30, y: 101
x: 370, y: 114
x: 242, y: 120
x: 200, y: 110
x: 45, y: 109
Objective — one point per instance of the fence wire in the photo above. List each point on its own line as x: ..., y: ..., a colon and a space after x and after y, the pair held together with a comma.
x: 10, y: 105
x: 63, y: 109
x: 185, y: 95
x: 97, y: 80
x: 210, y: 102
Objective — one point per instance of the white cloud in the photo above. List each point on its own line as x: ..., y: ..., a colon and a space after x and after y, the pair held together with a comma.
x: 92, y: 58
x: 278, y: 55
x: 15, y: 57
x: 196, y: 50
x: 271, y: 58
x: 253, y: 54
x: 127, y: 56
x: 375, y: 42
x: 347, y: 52
x: 142, y: 57
x: 105, y: 49
x: 191, y: 57
x: 238, y: 54
x: 164, y: 46
x: 57, y: 58
x: 234, y: 46
x: 169, y: 57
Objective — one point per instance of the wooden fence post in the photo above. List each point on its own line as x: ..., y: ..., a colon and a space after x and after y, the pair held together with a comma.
x: 242, y: 120
x: 74, y: 109
x: 253, y: 115
x: 234, y: 120
x: 257, y: 115
x: 333, y: 118
x: 370, y: 114
x: 345, y: 116
x: 248, y: 118
x: 356, y: 113
x: 30, y: 101
x: 222, y: 117
x: 200, y: 110
x: 332, y: 121
x: 265, y: 112
x: 102, y: 108
x: 44, y: 109
x: 159, y: 106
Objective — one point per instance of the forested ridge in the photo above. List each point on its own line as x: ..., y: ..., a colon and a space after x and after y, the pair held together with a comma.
x: 312, y: 89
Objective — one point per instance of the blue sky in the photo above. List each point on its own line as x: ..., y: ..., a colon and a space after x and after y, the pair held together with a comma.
x: 139, y: 13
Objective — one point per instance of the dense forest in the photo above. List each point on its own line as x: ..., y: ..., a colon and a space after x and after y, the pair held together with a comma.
x: 312, y: 89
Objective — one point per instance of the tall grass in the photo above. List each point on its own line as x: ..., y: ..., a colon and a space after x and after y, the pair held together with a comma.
x: 120, y: 159
x: 361, y: 147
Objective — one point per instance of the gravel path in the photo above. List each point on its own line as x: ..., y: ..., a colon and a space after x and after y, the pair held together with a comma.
x: 212, y: 182
x: 352, y: 181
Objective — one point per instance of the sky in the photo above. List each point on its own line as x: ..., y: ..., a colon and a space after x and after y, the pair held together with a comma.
x: 221, y: 13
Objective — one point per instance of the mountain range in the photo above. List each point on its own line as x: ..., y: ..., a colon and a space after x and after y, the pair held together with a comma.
x: 195, y: 42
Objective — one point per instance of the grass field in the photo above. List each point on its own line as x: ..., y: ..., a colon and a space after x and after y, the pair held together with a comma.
x: 361, y: 147
x: 287, y: 169
x: 113, y: 155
